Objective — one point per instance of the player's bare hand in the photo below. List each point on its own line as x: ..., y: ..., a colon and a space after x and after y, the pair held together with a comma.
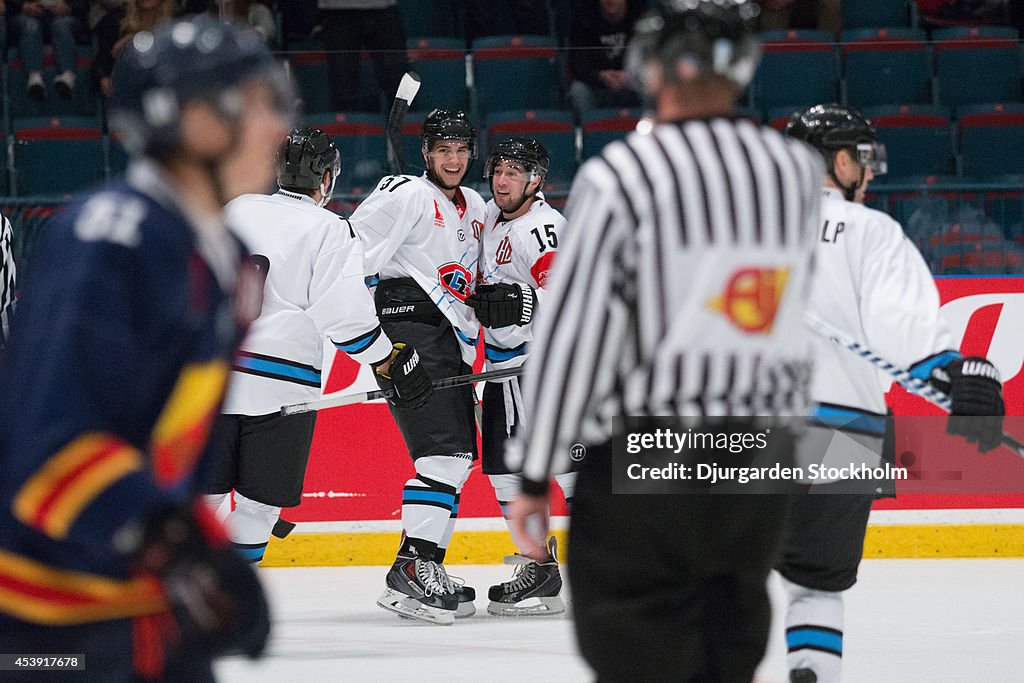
x: 528, y: 516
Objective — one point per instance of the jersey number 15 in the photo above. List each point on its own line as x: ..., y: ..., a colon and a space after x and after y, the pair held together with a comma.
x: 549, y: 239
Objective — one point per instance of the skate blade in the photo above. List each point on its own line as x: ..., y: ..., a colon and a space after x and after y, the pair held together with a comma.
x: 410, y: 608
x: 531, y: 607
x: 465, y: 609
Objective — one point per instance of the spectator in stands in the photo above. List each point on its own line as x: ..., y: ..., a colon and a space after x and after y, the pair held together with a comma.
x: 823, y: 15
x: 597, y: 45
x: 350, y: 26
x: 497, y: 17
x: 250, y: 12
x: 64, y: 23
x: 118, y: 26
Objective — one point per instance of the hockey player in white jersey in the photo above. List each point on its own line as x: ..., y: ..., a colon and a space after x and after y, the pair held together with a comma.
x: 517, y: 250
x: 421, y: 236
x: 311, y: 263
x: 872, y: 284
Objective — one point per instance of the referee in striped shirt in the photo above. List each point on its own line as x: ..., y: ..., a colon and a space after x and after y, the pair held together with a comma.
x: 679, y: 292
x: 7, y: 275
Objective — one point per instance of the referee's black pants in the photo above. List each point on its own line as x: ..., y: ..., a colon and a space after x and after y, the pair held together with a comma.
x: 670, y: 587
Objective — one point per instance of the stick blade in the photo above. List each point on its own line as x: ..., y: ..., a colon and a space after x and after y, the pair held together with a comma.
x: 409, y: 86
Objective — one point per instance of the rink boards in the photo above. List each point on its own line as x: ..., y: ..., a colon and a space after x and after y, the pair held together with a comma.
x: 964, y: 505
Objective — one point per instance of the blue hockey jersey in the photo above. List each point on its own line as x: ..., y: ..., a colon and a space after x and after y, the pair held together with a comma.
x: 116, y: 367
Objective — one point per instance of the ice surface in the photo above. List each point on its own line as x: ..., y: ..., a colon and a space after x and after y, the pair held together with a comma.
x: 907, y: 621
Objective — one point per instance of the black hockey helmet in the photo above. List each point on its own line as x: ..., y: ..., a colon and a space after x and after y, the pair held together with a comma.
x: 526, y: 151
x: 691, y: 39
x: 832, y: 127
x: 446, y: 124
x: 302, y: 159
x: 198, y: 58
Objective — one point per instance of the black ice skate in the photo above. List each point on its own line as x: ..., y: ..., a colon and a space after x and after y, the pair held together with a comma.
x: 420, y: 589
x: 465, y: 594
x: 533, y: 590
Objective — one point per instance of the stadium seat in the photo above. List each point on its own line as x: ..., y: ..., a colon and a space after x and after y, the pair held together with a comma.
x: 553, y: 129
x: 977, y: 64
x: 309, y: 73
x: 885, y: 66
x: 360, y: 139
x: 516, y: 72
x: 83, y: 102
x: 601, y: 126
x: 57, y: 156
x: 798, y: 67
x: 117, y: 156
x: 412, y: 143
x: 991, y: 139
x: 441, y: 65
x: 868, y: 13
x: 430, y: 19
x: 918, y: 139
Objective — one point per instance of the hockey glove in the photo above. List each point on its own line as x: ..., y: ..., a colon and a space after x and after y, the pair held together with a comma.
x: 502, y: 304
x: 217, y: 603
x: 403, y: 379
x: 976, y: 393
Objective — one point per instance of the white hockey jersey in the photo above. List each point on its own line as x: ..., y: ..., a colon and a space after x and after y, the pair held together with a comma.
x: 520, y: 251
x: 870, y: 282
x: 314, y: 289
x: 409, y: 228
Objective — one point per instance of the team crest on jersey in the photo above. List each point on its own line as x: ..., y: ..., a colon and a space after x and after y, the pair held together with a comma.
x: 504, y: 254
x: 478, y: 228
x: 438, y: 216
x: 751, y: 298
x: 456, y: 279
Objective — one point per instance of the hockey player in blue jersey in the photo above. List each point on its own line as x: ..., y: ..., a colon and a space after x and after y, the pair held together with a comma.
x: 130, y: 316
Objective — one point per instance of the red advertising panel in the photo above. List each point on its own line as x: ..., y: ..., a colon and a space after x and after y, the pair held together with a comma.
x: 358, y: 464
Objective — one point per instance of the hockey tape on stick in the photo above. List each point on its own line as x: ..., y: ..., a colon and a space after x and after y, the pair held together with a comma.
x: 362, y: 397
x: 903, y: 377
x: 407, y: 90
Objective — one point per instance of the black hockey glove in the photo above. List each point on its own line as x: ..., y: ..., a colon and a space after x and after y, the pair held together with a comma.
x: 216, y: 601
x: 976, y: 393
x: 502, y: 304
x: 405, y: 380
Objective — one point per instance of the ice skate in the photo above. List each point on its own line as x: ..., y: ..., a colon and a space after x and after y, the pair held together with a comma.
x: 420, y: 589
x: 465, y: 594
x: 533, y: 590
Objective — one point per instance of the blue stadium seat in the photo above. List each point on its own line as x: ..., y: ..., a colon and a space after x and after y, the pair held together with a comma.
x: 57, y: 155
x: 601, y: 126
x: 552, y: 128
x: 83, y: 102
x: 871, y: 13
x: 412, y: 144
x: 430, y: 19
x: 918, y: 139
x: 360, y: 139
x: 977, y: 64
x: 309, y: 73
x: 992, y: 139
x: 441, y: 65
x: 886, y: 66
x: 798, y: 67
x: 516, y: 72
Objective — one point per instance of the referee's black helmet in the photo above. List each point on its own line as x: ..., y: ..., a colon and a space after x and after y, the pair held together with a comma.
x: 691, y: 39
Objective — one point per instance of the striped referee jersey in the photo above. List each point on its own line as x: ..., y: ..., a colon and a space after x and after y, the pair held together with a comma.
x: 680, y: 287
x: 7, y: 275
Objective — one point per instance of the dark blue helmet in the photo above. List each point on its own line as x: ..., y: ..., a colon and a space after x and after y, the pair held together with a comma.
x: 198, y: 58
